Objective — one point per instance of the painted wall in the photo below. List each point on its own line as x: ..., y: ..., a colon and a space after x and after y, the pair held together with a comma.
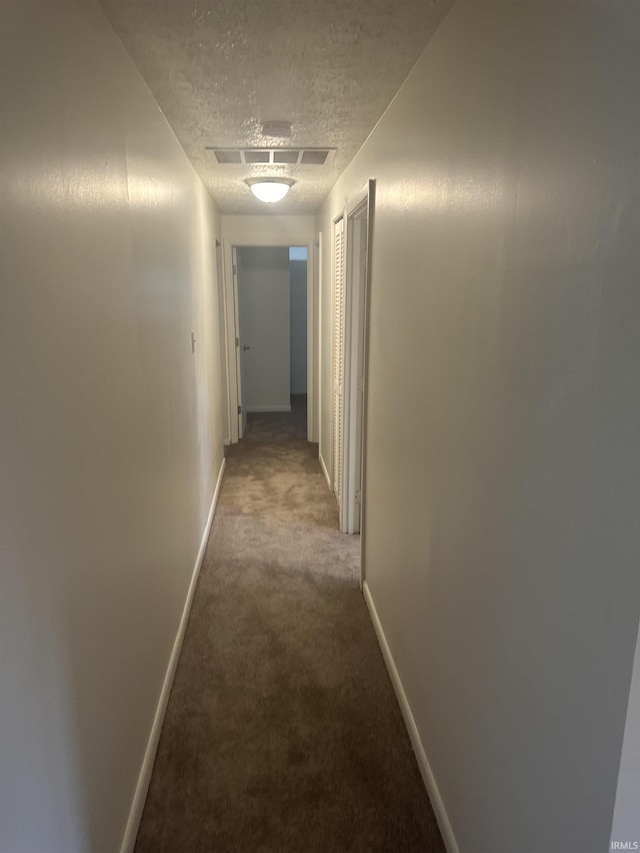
x: 298, y: 325
x: 263, y: 302
x: 268, y: 230
x: 501, y: 477
x: 111, y: 434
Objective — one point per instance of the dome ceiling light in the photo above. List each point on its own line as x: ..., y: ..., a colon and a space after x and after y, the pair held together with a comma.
x: 269, y: 190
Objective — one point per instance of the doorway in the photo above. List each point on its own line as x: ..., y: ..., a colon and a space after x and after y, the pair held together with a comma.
x: 224, y: 346
x: 352, y: 264
x: 271, y: 314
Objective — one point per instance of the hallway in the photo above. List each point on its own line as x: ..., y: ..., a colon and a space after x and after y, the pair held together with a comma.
x: 463, y: 179
x: 282, y: 730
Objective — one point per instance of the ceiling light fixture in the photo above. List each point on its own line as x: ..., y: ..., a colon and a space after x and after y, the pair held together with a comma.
x: 270, y: 189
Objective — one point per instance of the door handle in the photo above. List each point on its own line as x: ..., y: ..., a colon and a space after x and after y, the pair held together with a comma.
x: 246, y: 348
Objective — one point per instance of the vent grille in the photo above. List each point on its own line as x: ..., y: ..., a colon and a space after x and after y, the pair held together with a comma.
x: 229, y: 157
x: 287, y: 156
x: 277, y: 156
x: 256, y: 156
x: 313, y: 158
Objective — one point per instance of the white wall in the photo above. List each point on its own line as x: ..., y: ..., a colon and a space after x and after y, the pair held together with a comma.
x: 263, y: 302
x: 501, y: 477
x: 298, y: 326
x: 268, y: 230
x: 111, y: 434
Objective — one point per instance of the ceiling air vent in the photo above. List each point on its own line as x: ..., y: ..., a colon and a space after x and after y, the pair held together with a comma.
x: 277, y: 156
x: 228, y: 156
x: 315, y: 157
x: 257, y: 156
x: 286, y: 156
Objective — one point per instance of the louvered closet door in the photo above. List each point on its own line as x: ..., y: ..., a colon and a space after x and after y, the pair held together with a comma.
x: 338, y: 360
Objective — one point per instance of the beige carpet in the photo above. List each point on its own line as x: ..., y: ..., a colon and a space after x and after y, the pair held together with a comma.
x: 282, y: 731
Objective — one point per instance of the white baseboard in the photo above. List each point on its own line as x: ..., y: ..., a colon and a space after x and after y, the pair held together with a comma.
x: 268, y: 408
x: 140, y: 795
x: 421, y: 756
x: 324, y: 471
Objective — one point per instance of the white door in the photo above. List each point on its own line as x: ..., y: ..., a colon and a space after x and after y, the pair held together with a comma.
x: 264, y: 315
x: 240, y: 361
x: 357, y: 248
x: 338, y: 359
x: 356, y: 290
x: 222, y: 316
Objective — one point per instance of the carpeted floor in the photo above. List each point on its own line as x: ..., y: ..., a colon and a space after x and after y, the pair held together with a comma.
x: 282, y: 731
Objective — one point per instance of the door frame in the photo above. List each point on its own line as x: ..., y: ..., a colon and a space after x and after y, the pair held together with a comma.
x: 356, y: 350
x: 224, y: 337
x: 241, y: 412
x: 334, y: 474
x: 233, y: 331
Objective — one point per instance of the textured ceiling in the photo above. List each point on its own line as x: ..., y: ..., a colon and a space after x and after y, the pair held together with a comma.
x: 220, y: 68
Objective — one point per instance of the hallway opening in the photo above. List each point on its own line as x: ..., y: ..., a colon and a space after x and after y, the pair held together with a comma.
x: 270, y: 321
